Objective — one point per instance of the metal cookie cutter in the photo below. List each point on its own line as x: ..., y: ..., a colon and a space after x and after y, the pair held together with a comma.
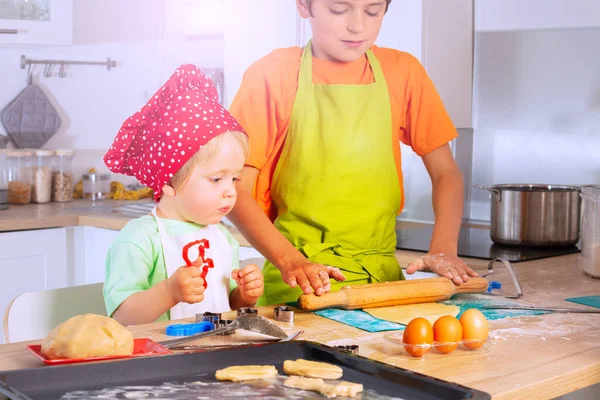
x: 283, y: 314
x: 208, y: 316
x: 351, y: 348
x: 222, y: 323
x: 246, y: 310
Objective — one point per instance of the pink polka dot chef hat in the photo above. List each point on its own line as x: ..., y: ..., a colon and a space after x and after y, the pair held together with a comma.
x: 181, y: 117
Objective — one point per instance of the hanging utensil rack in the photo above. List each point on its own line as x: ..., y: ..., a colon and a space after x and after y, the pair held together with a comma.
x: 28, y: 61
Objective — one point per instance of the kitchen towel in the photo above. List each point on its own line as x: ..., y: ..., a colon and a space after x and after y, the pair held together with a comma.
x: 362, y: 320
x: 31, y: 119
x: 592, y: 301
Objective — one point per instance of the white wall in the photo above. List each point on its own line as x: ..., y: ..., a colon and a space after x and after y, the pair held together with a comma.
x: 536, y: 110
x: 92, y: 101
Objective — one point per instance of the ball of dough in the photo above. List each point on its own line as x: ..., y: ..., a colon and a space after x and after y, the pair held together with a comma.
x: 88, y: 335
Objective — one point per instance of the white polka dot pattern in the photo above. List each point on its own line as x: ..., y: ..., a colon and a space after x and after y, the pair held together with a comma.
x: 181, y: 117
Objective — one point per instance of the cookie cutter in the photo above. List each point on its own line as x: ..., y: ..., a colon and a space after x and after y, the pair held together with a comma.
x: 350, y: 348
x: 246, y: 310
x: 222, y: 323
x: 283, y: 314
x: 208, y: 316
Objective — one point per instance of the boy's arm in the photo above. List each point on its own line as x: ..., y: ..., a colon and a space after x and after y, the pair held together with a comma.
x: 258, y: 229
x: 447, y: 199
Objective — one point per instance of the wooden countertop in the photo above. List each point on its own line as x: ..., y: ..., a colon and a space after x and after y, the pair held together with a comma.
x: 535, y: 357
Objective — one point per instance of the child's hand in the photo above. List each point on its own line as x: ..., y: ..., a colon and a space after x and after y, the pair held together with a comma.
x: 250, y: 282
x: 186, y: 285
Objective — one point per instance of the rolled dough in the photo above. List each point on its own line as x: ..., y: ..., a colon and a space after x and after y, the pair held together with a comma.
x: 405, y: 313
x: 312, y: 369
x: 344, y: 389
x: 246, y: 373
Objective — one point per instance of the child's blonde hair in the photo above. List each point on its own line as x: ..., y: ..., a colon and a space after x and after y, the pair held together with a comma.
x: 203, y: 155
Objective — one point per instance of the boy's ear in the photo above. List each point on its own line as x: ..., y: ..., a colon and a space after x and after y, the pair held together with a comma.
x: 168, y: 190
x: 303, y: 7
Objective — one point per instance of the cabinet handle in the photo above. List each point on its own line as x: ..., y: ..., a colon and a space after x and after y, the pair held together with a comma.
x: 9, y: 31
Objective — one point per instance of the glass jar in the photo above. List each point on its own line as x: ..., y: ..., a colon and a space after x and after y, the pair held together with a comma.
x: 96, y: 186
x: 41, y: 176
x: 3, y: 180
x: 590, y: 230
x: 62, y: 176
x: 19, y: 176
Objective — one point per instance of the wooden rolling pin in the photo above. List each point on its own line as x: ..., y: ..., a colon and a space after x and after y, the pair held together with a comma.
x: 391, y: 293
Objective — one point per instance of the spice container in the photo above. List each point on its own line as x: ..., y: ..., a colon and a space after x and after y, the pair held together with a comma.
x: 19, y: 176
x: 3, y: 180
x: 41, y: 176
x: 96, y: 186
x: 62, y: 176
x: 590, y: 230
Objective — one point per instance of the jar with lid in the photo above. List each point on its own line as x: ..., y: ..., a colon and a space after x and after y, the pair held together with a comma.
x: 3, y: 180
x: 41, y: 176
x: 19, y: 176
x: 96, y: 186
x: 62, y: 175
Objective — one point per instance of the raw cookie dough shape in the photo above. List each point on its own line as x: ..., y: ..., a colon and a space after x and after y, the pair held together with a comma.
x: 240, y: 373
x: 88, y: 335
x: 342, y: 388
x: 405, y: 313
x: 312, y: 369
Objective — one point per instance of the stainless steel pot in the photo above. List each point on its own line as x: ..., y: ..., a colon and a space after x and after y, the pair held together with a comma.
x: 534, y: 215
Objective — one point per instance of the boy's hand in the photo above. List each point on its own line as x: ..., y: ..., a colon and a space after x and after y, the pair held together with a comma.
x: 250, y: 282
x: 444, y: 265
x: 186, y: 285
x: 311, y: 276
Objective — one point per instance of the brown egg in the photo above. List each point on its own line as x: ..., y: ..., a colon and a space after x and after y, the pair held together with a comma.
x: 447, y: 333
x: 475, y: 328
x: 418, y: 337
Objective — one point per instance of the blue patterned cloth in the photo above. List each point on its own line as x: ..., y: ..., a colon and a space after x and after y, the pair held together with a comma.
x: 362, y: 320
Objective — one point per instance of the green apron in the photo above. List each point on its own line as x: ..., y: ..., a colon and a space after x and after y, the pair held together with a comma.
x: 336, y: 186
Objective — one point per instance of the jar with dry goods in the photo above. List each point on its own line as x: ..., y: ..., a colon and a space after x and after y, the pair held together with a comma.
x: 62, y: 176
x: 19, y: 176
x: 41, y: 176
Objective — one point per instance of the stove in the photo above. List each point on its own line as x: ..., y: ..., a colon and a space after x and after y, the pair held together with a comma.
x: 476, y: 243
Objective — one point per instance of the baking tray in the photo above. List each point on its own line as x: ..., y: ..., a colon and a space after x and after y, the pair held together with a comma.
x: 196, y: 370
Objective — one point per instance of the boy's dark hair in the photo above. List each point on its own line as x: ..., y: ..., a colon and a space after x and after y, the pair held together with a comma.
x: 309, y: 4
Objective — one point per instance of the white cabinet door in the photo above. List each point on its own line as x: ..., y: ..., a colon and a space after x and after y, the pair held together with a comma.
x: 518, y: 15
x: 88, y: 248
x: 31, y: 261
x: 45, y: 22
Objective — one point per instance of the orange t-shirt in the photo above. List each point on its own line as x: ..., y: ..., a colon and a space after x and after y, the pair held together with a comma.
x: 263, y: 106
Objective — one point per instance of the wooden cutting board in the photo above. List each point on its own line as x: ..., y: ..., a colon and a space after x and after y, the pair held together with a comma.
x: 391, y: 293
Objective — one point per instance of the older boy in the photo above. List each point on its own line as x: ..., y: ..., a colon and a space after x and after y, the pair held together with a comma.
x: 322, y: 187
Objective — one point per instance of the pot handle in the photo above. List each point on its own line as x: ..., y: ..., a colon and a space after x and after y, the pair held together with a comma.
x: 495, y: 191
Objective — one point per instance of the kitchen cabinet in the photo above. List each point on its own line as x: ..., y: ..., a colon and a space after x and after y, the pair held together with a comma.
x: 32, y: 261
x: 517, y: 15
x: 88, y: 249
x: 36, y: 22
